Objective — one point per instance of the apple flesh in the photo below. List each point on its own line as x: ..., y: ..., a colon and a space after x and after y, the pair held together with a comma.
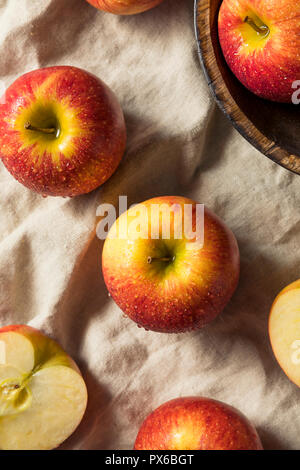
x: 196, y: 423
x: 62, y: 131
x: 284, y: 330
x: 42, y: 394
x: 124, y: 7
x: 261, y: 42
x: 184, y: 286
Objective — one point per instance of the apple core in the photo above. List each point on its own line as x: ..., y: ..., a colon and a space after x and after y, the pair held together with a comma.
x: 15, y: 396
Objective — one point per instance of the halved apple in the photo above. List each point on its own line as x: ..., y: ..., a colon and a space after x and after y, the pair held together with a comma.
x: 284, y: 330
x: 42, y: 394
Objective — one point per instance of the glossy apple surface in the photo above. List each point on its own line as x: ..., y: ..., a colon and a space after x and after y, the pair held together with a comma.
x: 184, y: 286
x: 261, y: 42
x: 284, y: 330
x: 42, y: 394
x: 62, y: 131
x: 124, y: 7
x: 196, y: 423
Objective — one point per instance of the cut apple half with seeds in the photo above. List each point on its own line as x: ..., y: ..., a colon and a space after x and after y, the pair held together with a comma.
x: 42, y: 394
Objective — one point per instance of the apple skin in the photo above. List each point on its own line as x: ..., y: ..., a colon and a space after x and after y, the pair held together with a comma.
x: 196, y: 423
x: 266, y: 66
x: 182, y: 296
x: 124, y: 7
x: 284, y: 330
x: 92, y: 135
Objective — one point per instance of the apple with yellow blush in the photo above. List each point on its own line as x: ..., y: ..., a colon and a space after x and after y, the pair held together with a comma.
x: 166, y: 281
x: 261, y: 42
x: 62, y: 131
x: 196, y: 423
x: 43, y: 396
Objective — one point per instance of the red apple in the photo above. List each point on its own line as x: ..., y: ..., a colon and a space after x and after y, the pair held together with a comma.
x: 170, y: 284
x: 62, y: 131
x: 42, y: 394
x: 196, y: 423
x: 124, y: 7
x: 284, y: 330
x: 261, y: 42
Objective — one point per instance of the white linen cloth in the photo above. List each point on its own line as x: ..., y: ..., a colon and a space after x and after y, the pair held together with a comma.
x: 178, y: 143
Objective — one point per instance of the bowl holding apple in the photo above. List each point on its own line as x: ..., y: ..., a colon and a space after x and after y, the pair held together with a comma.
x: 249, y: 52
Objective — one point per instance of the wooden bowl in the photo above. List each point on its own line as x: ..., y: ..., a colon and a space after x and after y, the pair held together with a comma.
x: 273, y: 128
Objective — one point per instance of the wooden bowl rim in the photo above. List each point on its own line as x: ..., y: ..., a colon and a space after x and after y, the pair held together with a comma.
x: 227, y: 103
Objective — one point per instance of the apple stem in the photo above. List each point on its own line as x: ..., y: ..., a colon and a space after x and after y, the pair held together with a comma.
x: 50, y: 130
x: 263, y: 30
x: 165, y: 258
